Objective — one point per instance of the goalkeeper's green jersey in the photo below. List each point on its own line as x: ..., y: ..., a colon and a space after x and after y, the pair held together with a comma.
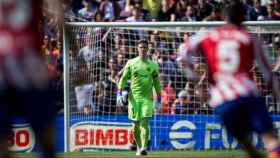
x: 143, y: 75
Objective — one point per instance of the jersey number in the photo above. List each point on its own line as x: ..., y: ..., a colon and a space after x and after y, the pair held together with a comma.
x: 228, y: 56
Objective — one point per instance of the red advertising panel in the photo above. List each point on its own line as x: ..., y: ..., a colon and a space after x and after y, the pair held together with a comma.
x: 85, y: 136
x: 22, y: 138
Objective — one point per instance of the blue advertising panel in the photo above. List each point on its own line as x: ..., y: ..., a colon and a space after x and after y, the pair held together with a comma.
x: 167, y: 132
x: 114, y: 133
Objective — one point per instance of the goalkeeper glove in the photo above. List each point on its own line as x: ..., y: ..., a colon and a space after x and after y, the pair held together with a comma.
x: 158, y: 102
x: 119, y: 98
x: 122, y: 97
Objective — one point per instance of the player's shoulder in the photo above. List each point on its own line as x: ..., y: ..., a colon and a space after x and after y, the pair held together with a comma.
x: 152, y: 63
x: 230, y: 32
x: 133, y: 60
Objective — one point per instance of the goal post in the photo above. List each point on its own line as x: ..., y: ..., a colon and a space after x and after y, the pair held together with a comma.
x: 94, y: 55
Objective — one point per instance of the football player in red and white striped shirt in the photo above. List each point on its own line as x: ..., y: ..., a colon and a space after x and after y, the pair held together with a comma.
x: 230, y: 52
x: 24, y: 80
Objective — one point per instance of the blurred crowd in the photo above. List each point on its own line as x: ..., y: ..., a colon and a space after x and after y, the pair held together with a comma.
x: 92, y: 64
x: 166, y: 10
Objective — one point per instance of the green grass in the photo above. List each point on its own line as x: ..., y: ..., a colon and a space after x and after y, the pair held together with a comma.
x: 161, y: 154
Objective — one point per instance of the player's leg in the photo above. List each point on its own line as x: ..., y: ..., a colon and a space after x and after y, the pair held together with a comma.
x: 146, y: 114
x: 40, y: 110
x: 134, y: 113
x: 5, y: 122
x: 262, y: 124
x: 137, y: 134
x: 238, y: 127
x: 249, y: 148
x: 145, y: 134
x: 46, y: 141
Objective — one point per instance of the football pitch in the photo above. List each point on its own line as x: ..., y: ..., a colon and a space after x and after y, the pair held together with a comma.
x: 155, y: 154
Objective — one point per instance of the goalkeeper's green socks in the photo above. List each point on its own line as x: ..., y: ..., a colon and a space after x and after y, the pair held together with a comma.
x: 137, y: 133
x: 145, y: 133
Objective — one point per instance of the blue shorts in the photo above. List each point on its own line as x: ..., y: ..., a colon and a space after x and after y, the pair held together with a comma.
x: 245, y: 115
x: 35, y: 105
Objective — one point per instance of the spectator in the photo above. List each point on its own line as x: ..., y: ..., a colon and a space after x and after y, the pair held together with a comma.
x: 46, y: 46
x: 165, y: 12
x: 99, y: 68
x: 103, y: 99
x: 189, y: 14
x: 181, y: 7
x: 153, y: 7
x: 277, y: 9
x: 68, y: 12
x: 168, y: 95
x: 136, y: 15
x: 270, y: 13
x: 215, y: 15
x: 120, y: 62
x: 98, y: 17
x: 183, y: 46
x: 167, y: 66
x: 111, y: 66
x: 52, y: 54
x: 87, y: 52
x: 126, y: 11
x: 111, y: 91
x: 204, y: 9
x: 183, y: 105
x: 118, y: 41
x: 257, y: 12
x: 57, y: 86
x: 106, y: 8
x: 84, y: 95
x: 87, y: 11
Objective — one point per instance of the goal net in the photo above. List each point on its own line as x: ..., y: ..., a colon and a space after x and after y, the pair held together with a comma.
x: 95, y: 54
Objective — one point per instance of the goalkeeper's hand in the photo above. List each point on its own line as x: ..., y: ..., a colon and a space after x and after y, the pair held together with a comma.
x: 158, y: 102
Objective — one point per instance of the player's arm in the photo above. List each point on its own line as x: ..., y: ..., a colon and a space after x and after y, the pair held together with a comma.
x: 156, y: 84
x: 126, y: 74
x: 264, y: 67
x: 156, y: 81
x: 185, y: 56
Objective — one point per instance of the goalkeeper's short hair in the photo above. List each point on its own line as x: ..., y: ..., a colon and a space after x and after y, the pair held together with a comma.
x: 142, y: 41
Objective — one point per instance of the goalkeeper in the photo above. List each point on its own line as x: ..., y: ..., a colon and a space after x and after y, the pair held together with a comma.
x: 143, y: 74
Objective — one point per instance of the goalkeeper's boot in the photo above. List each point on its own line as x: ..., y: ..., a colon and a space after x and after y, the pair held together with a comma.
x: 138, y: 152
x: 133, y: 146
x: 143, y: 152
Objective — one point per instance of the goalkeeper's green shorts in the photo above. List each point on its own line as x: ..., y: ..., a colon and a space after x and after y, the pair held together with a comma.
x: 140, y: 108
